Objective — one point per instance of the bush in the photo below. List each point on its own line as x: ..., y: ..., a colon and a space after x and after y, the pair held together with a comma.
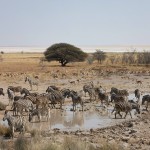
x: 2, y: 106
x: 5, y: 131
x: 21, y: 143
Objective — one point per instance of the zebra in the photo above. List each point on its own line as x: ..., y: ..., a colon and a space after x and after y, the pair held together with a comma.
x: 26, y: 93
x: 21, y: 104
x: 103, y: 97
x: 2, y: 91
x: 55, y: 96
x: 117, y: 98
x: 147, y: 99
x: 76, y: 99
x: 119, y: 92
x: 39, y: 113
x: 86, y: 87
x: 10, y: 96
x: 124, y: 106
x: 137, y: 94
x: 53, y: 87
x: 14, y: 123
x: 15, y: 89
x: 32, y: 82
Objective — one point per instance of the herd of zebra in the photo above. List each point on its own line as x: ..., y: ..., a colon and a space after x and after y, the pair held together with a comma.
x: 36, y: 104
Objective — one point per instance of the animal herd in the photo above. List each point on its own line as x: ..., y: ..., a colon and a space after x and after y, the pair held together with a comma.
x: 39, y: 104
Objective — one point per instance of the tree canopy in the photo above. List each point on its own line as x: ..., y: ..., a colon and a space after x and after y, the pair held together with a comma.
x: 99, y: 56
x: 64, y: 53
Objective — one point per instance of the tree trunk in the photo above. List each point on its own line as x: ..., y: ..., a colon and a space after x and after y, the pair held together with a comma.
x: 63, y: 63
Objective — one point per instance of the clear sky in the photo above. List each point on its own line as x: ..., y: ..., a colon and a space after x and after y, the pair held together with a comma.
x: 78, y: 22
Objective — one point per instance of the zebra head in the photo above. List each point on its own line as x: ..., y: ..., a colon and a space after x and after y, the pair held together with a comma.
x: 145, y: 98
x: 6, y: 115
x: 26, y: 79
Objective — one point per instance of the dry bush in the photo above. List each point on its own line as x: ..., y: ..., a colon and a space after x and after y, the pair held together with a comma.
x: 3, y: 145
x: 2, y: 106
x: 5, y: 131
x: 22, y: 144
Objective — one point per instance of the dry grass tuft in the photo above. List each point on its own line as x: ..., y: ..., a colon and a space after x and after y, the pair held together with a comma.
x: 2, y: 106
x: 5, y: 131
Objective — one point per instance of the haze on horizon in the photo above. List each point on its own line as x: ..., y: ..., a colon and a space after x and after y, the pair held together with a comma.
x: 86, y: 22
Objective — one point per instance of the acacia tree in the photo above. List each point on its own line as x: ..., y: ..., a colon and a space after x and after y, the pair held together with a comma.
x: 99, y: 56
x: 64, y: 53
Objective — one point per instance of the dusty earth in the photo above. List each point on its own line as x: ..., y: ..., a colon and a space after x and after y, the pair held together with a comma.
x: 96, y: 123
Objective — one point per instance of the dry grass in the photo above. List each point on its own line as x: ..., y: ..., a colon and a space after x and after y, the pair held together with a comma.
x: 5, y: 131
x: 2, y: 106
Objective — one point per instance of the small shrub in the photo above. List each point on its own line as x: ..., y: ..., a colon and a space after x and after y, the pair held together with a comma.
x: 5, y: 131
x: 21, y: 143
x: 2, y: 106
x: 3, y: 145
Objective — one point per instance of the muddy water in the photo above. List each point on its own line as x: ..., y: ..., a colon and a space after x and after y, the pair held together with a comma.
x: 94, y: 117
x: 69, y: 120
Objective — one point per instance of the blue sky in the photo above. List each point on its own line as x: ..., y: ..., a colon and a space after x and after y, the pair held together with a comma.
x: 78, y: 22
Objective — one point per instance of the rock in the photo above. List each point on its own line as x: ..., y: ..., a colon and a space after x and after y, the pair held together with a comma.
x: 125, y: 139
x: 132, y: 131
x: 129, y: 124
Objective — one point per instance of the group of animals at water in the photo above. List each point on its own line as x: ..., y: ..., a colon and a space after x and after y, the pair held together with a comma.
x: 39, y: 105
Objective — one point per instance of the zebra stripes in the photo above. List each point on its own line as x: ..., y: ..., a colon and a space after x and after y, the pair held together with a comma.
x: 21, y: 104
x: 76, y: 99
x: 14, y: 123
x: 32, y: 82
x: 119, y: 92
x: 124, y: 106
x: 39, y: 113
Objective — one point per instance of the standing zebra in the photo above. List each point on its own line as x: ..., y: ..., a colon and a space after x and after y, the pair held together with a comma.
x: 32, y: 82
x: 39, y: 113
x: 86, y: 87
x: 10, y: 96
x: 76, y: 99
x: 119, y: 92
x: 21, y: 104
x: 137, y: 94
x: 14, y: 123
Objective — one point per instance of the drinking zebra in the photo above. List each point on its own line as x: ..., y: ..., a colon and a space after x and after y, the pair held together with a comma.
x: 146, y: 98
x: 32, y: 82
x: 39, y: 113
x: 14, y: 123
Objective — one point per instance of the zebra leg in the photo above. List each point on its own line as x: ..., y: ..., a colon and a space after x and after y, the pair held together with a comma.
x: 126, y: 115
x: 120, y: 114
x: 12, y: 132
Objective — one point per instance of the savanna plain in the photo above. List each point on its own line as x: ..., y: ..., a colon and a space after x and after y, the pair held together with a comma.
x: 94, y: 128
